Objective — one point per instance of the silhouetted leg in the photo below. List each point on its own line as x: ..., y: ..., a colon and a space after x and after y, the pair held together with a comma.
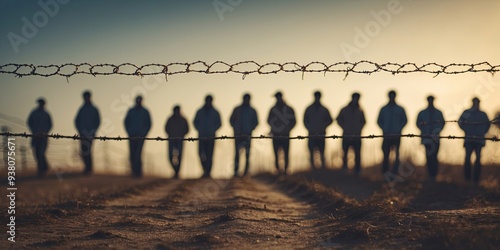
x: 237, y: 146
x: 138, y: 157
x: 311, y: 145
x: 321, y: 149
x: 247, y: 156
x: 345, y: 148
x: 357, y: 155
x: 396, y: 143
x: 132, y: 148
x: 276, y: 147
x: 85, y: 151
x: 210, y: 155
x: 202, y: 151
x: 386, y: 148
x: 180, y: 146
x: 286, y: 147
x: 467, y: 167
x: 477, y: 164
x: 172, y: 147
x: 435, y: 162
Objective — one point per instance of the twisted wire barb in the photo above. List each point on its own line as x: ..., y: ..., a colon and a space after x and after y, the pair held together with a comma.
x: 244, y: 68
x: 224, y: 137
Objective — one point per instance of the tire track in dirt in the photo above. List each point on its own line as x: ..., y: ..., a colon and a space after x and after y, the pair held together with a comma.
x: 206, y: 213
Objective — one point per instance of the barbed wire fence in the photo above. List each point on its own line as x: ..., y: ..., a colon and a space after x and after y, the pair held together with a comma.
x: 244, y: 68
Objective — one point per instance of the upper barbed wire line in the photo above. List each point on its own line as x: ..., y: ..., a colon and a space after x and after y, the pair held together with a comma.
x: 244, y: 68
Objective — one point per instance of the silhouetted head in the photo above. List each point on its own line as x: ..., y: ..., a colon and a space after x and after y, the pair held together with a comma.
x: 430, y: 100
x: 392, y: 96
x: 41, y: 102
x: 317, y: 96
x: 475, y: 103
x: 246, y: 99
x: 208, y: 100
x: 138, y: 100
x: 279, y: 97
x: 355, y: 98
x: 86, y: 96
x: 177, y: 110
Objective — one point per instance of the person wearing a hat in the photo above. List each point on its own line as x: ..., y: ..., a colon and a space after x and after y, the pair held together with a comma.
x: 137, y: 124
x: 475, y: 124
x: 352, y: 120
x: 40, y: 123
x: 281, y: 119
x: 391, y: 119
x: 316, y: 119
x: 430, y: 121
x: 87, y: 121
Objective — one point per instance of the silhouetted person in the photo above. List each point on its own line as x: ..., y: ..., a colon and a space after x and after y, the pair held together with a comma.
x: 137, y: 124
x: 243, y: 120
x: 87, y: 121
x: 40, y: 124
x: 430, y: 121
x: 207, y: 122
x: 474, y: 123
x: 281, y: 119
x: 352, y: 120
x: 316, y: 119
x: 176, y: 127
x: 391, y: 120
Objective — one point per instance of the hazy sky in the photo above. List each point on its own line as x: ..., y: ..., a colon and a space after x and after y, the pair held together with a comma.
x: 143, y: 32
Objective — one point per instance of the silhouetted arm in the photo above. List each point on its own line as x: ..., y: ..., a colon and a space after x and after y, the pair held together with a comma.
x: 293, y: 120
x: 127, y: 122
x: 341, y: 118
x: 185, y: 126
x: 78, y: 120
x: 363, y: 119
x: 485, y: 123
x: 148, y: 123
x: 97, y: 117
x: 420, y: 120
x: 328, y: 118
x: 218, y: 122
x: 306, y: 119
x: 49, y: 120
x: 196, y: 121
x: 462, y: 119
x: 232, y: 119
x: 441, y: 121
x: 380, y: 119
x: 404, y: 119
x: 255, y: 119
x: 168, y: 126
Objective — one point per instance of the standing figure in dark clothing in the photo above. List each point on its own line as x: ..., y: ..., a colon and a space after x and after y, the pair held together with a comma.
x: 207, y: 122
x: 176, y: 127
x: 391, y: 120
x: 474, y: 123
x: 137, y: 124
x: 243, y: 120
x: 316, y: 119
x: 86, y: 122
x: 430, y: 121
x: 281, y: 119
x: 40, y: 124
x: 352, y: 120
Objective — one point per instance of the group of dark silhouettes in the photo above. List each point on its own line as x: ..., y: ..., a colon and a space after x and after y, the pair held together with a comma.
x: 392, y: 118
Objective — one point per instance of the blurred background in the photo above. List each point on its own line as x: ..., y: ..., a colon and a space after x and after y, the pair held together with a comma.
x: 56, y: 32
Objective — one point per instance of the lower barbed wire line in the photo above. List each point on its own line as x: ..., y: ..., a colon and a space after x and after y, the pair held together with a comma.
x: 224, y: 137
x: 129, y: 69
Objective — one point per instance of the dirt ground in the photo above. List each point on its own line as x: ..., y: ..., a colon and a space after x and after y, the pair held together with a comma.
x: 316, y: 209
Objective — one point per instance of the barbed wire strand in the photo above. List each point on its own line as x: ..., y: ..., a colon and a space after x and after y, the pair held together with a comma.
x: 224, y: 137
x: 244, y: 68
